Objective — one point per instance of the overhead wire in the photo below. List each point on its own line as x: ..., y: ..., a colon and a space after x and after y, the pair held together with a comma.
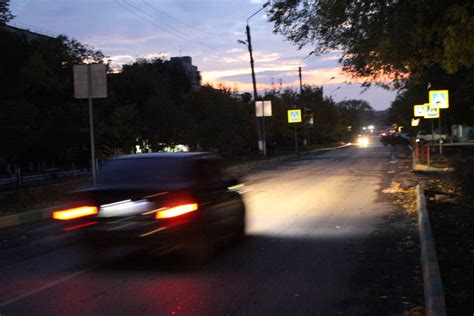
x: 165, y: 27
x: 181, y: 22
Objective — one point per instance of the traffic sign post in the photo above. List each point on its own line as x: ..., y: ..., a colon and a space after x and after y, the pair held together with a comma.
x: 263, y: 109
x: 440, y: 100
x: 90, y: 81
x: 419, y: 110
x: 431, y: 111
x: 294, y: 116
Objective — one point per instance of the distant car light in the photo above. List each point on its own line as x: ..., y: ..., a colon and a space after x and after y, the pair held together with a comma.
x: 176, y: 211
x: 363, y: 141
x: 73, y: 213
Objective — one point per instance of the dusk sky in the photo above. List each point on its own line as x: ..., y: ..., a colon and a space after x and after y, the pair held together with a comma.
x: 206, y: 30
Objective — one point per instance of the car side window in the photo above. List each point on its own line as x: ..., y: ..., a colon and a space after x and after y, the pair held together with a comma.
x: 210, y: 172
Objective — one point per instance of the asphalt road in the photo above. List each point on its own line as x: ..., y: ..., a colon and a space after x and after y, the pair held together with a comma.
x: 318, y: 233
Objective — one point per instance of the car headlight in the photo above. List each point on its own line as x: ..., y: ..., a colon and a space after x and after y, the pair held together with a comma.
x: 363, y: 141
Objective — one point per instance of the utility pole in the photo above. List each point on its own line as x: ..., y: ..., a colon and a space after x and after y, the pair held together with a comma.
x: 303, y: 107
x: 260, y: 127
x: 301, y: 80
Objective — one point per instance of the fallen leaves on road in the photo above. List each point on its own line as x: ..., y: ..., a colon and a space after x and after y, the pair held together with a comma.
x: 404, y: 197
x: 416, y: 311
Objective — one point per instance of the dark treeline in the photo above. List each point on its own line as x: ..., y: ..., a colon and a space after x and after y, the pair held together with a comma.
x: 151, y: 105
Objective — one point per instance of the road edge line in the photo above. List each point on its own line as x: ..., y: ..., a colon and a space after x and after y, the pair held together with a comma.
x: 435, y: 304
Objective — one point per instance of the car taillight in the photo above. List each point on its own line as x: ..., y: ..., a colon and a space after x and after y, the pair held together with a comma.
x: 176, y: 211
x: 74, y: 213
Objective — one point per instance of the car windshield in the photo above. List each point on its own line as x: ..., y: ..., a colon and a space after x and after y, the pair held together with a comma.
x: 161, y: 172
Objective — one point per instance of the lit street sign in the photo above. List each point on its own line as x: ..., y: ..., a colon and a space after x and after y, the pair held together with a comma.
x: 419, y: 110
x: 439, y: 99
x: 431, y: 111
x: 294, y: 116
x: 415, y: 122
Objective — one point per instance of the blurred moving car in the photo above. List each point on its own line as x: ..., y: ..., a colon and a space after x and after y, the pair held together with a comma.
x: 394, y: 138
x: 165, y: 201
x: 424, y: 137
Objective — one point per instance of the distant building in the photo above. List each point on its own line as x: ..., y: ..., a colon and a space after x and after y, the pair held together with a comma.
x: 29, y: 35
x: 191, y: 70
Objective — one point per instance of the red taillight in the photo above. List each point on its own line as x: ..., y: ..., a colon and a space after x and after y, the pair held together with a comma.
x: 74, y: 213
x: 176, y: 211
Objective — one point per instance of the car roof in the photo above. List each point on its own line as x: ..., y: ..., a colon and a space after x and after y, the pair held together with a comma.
x: 180, y: 155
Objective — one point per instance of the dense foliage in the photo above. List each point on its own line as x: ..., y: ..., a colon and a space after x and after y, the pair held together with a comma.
x: 408, y: 45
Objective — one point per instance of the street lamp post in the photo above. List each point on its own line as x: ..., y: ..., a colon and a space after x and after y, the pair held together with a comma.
x: 260, y: 127
x: 305, y: 142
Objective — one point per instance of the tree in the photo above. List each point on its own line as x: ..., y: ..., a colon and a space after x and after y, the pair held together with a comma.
x: 222, y: 122
x: 383, y: 40
x: 40, y: 118
x: 356, y: 113
x: 5, y: 14
x: 400, y: 44
x: 158, y: 92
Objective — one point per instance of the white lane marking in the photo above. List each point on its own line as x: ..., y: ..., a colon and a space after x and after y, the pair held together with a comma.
x: 44, y: 287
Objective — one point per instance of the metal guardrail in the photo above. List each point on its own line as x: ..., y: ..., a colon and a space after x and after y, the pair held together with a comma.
x: 45, y: 176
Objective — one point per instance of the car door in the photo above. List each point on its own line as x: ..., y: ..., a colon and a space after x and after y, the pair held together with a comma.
x: 221, y: 207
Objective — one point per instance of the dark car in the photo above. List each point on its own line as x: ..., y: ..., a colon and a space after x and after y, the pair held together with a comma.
x: 165, y: 201
x: 394, y: 138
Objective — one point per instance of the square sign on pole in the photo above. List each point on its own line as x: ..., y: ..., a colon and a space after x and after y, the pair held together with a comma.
x: 90, y: 81
x: 415, y: 122
x: 294, y: 116
x: 439, y: 99
x: 263, y: 108
x: 419, y: 110
x: 431, y: 111
x: 98, y: 81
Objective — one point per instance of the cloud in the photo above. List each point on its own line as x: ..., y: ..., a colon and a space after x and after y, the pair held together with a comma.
x: 168, y: 28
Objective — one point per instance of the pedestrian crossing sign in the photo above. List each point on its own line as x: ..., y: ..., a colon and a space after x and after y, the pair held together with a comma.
x: 419, y: 110
x: 439, y: 99
x: 431, y: 111
x: 294, y: 116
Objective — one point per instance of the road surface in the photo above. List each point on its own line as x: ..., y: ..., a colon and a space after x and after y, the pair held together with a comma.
x: 319, y: 230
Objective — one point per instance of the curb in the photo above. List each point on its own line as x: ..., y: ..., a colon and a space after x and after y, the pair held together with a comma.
x: 41, y: 214
x: 433, y: 287
x: 26, y: 217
